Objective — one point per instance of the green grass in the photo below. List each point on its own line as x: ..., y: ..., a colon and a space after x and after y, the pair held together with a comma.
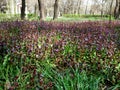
x: 8, y: 17
x: 69, y: 79
x: 72, y: 79
x: 77, y: 19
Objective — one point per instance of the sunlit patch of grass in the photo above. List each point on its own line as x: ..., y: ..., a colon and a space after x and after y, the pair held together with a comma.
x: 76, y: 19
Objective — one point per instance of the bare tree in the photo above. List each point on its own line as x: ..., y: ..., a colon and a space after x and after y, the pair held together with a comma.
x: 56, y: 11
x: 41, y: 9
x: 23, y: 10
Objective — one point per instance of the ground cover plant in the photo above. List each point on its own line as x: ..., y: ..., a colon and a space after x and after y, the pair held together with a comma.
x: 59, y: 56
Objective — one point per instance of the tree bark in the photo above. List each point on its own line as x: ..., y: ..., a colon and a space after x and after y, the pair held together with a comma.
x: 41, y: 9
x: 23, y: 10
x: 56, y: 7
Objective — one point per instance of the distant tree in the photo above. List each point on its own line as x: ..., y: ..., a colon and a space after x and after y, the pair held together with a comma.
x: 97, y: 7
x: 67, y: 7
x: 3, y: 6
x: 23, y: 10
x: 32, y: 6
x: 70, y: 7
x: 41, y: 9
x: 56, y: 9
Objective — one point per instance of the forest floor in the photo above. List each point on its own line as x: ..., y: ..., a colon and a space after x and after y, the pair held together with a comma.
x: 59, y: 55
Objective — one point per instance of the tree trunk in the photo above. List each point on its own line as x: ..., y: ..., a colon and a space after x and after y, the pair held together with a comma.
x: 115, y: 10
x: 102, y: 9
x: 79, y: 6
x: 41, y: 9
x: 118, y: 10
x: 110, y: 13
x: 86, y: 7
x: 23, y: 10
x: 35, y: 9
x: 56, y: 5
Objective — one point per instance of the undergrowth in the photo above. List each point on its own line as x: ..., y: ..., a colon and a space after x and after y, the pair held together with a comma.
x: 59, y: 56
